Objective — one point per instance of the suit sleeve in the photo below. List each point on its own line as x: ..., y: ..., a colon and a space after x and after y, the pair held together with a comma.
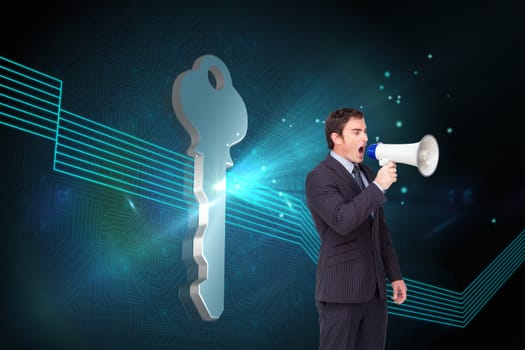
x: 343, y: 212
x: 388, y: 252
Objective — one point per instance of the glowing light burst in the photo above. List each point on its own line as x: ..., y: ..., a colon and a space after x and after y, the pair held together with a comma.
x: 131, y: 204
x: 220, y: 186
x: 251, y: 191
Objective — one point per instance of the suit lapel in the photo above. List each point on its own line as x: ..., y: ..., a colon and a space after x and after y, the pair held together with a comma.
x: 341, y: 171
x: 368, y: 173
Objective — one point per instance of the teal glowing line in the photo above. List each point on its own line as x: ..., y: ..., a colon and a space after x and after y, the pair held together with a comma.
x: 117, y: 180
x: 243, y: 217
x: 479, y: 280
x: 419, y: 318
x: 309, y: 240
x: 260, y: 191
x: 482, y: 298
x: 261, y: 232
x: 118, y: 172
x: 424, y: 315
x: 29, y: 113
x: 488, y: 273
x: 410, y: 309
x: 483, y: 278
x: 311, y: 235
x: 266, y: 209
x: 274, y: 222
x: 183, y: 156
x: 128, y: 151
x: 436, y: 301
x: 30, y: 104
x: 433, y: 293
x: 432, y: 308
x: 254, y: 224
x: 121, y: 157
x: 310, y: 251
x: 170, y: 204
x: 271, y: 219
x: 488, y: 296
x: 286, y: 209
x: 267, y: 192
x: 118, y: 155
x: 303, y: 239
x: 27, y: 130
x: 415, y: 284
x: 183, y: 185
x: 260, y: 198
x: 27, y: 85
x: 28, y: 95
x: 27, y: 122
x: 31, y: 70
x: 311, y: 255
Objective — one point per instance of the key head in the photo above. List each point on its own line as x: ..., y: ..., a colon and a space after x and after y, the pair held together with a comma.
x: 209, y: 108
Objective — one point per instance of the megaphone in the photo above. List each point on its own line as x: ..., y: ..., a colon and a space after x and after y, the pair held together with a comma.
x: 423, y: 154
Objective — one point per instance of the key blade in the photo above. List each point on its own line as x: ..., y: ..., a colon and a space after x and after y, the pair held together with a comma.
x: 215, y: 116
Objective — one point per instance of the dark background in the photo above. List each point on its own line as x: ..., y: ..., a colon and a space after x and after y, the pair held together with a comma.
x: 87, y: 274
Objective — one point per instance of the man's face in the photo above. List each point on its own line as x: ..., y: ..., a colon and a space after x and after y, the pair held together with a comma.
x: 352, y: 143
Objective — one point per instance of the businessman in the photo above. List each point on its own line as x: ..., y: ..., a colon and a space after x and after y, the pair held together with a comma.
x: 356, y: 257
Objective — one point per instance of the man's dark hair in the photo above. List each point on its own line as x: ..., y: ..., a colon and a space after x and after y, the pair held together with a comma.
x: 337, y: 120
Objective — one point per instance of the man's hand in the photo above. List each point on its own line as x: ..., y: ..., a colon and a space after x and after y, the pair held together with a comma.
x: 400, y: 291
x: 386, y: 176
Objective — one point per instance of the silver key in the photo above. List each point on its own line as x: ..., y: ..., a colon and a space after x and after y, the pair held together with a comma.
x: 215, y: 116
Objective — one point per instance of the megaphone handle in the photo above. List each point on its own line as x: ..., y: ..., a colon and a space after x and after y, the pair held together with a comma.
x: 383, y: 162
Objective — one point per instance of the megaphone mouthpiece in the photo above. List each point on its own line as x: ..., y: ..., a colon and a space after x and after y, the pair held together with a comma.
x: 423, y: 154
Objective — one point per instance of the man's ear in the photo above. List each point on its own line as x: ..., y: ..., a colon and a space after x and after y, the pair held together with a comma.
x: 336, y: 138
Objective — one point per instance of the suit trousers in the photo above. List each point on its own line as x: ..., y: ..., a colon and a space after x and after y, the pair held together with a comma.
x: 360, y: 326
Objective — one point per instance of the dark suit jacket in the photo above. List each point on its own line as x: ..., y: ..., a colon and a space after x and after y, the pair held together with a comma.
x: 356, y: 253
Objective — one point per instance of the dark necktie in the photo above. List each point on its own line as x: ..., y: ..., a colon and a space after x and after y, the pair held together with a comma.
x: 357, y: 177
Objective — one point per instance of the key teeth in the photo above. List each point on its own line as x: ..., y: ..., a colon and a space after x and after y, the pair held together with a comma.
x: 200, y: 305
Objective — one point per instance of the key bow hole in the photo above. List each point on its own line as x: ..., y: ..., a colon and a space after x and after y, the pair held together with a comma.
x: 216, y: 78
